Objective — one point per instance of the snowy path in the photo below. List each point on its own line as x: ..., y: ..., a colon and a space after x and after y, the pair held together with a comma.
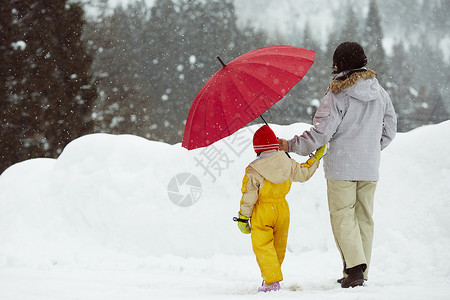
x: 218, y: 278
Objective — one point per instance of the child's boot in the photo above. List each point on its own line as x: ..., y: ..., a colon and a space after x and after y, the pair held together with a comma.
x: 274, y: 286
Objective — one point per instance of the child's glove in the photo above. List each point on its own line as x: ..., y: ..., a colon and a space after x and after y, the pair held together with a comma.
x: 283, y: 144
x: 321, y: 152
x: 243, y: 225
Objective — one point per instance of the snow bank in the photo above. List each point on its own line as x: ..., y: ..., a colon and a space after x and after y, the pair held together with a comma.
x: 108, y: 201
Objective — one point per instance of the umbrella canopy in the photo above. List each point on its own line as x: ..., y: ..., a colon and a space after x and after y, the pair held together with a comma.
x: 242, y: 90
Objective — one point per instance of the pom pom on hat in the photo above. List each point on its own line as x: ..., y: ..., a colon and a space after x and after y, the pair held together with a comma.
x: 265, y: 139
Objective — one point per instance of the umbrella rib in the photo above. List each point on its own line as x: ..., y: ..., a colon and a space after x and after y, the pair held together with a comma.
x: 256, y: 78
x: 245, y: 72
x: 279, y: 52
x: 289, y: 56
x: 271, y: 66
x: 240, y: 92
x: 221, y: 106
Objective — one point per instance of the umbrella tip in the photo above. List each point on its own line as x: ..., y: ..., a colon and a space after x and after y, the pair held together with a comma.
x: 223, y: 65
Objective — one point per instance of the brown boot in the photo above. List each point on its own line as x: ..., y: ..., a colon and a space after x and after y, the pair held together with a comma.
x: 340, y: 280
x: 355, y: 277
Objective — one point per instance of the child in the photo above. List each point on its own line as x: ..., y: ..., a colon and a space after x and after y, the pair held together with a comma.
x: 266, y: 182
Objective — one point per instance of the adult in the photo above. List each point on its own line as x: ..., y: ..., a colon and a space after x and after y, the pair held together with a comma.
x: 357, y: 119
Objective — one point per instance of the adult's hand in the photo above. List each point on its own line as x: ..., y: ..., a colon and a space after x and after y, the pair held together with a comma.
x: 284, y: 146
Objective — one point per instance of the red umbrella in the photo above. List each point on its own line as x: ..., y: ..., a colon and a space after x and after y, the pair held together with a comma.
x: 242, y: 90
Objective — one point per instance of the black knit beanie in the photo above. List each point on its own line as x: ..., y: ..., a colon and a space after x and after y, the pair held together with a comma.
x: 348, y: 56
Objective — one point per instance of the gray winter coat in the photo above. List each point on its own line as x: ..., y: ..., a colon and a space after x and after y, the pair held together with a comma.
x: 357, y: 118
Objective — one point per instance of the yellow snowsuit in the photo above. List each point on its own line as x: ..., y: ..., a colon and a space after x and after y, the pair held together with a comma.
x: 265, y: 185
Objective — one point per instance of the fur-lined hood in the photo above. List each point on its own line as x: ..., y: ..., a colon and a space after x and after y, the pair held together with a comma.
x: 346, y: 83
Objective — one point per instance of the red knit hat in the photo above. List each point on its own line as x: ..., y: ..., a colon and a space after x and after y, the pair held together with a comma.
x: 265, y: 139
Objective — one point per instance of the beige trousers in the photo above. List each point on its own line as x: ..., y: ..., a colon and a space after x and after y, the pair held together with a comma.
x: 351, y: 208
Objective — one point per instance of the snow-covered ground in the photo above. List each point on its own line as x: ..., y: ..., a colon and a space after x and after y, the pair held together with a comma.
x: 121, y: 217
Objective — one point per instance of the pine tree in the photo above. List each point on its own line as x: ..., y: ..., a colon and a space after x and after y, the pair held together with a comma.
x: 350, y: 30
x: 372, y: 42
x: 120, y: 46
x: 49, y: 89
x: 332, y: 43
x: 11, y: 49
x: 151, y: 62
x: 195, y: 32
x: 398, y: 85
x: 431, y: 82
x: 437, y: 109
x: 169, y: 42
x: 304, y: 98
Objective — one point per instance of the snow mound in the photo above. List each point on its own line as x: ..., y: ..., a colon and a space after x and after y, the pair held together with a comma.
x: 123, y: 201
